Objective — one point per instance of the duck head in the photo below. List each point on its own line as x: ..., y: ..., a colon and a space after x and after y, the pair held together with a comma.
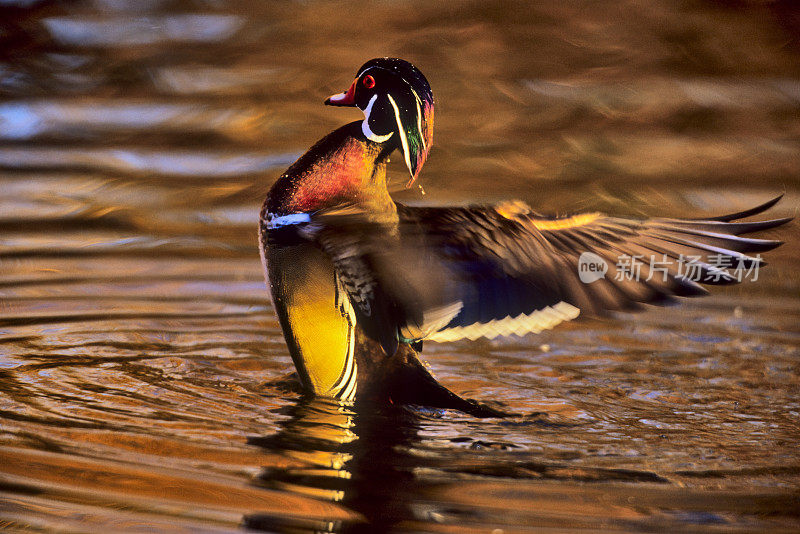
x: 398, y: 108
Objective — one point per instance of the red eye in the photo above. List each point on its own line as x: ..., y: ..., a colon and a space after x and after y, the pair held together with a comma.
x: 368, y: 81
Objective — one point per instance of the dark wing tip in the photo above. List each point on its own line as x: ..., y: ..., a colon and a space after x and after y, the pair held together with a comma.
x: 747, y: 213
x: 684, y: 287
x: 758, y: 226
x: 767, y: 245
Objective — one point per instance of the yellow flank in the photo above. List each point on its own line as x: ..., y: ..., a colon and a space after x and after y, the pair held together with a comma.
x: 567, y: 222
x: 317, y: 320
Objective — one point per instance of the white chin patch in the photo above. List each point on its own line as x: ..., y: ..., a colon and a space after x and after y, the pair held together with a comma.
x: 369, y: 134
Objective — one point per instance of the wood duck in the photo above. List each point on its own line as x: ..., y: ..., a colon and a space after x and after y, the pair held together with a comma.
x: 359, y: 281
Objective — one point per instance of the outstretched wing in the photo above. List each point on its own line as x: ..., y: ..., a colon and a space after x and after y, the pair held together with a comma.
x: 443, y: 274
x: 515, y: 271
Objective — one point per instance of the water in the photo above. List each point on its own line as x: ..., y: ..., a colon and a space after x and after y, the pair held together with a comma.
x: 142, y: 370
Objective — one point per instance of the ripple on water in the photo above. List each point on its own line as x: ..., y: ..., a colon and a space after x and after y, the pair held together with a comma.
x: 136, y: 31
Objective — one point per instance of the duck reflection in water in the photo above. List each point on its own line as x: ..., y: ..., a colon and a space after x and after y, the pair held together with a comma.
x: 355, y: 456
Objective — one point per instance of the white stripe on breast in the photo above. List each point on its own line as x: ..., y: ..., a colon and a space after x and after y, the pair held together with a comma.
x: 277, y: 221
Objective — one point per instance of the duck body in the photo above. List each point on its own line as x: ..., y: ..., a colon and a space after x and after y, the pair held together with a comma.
x: 359, y: 282
x: 314, y: 310
x: 330, y: 348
